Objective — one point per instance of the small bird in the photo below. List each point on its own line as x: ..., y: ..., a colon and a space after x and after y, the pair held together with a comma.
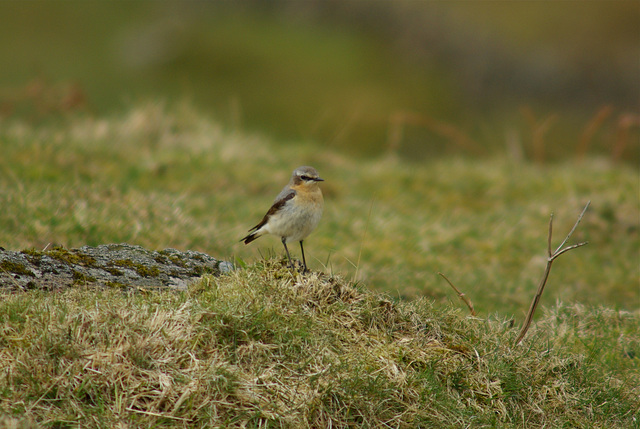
x: 295, y: 213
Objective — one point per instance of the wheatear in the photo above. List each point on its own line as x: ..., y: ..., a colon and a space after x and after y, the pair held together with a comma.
x: 295, y: 212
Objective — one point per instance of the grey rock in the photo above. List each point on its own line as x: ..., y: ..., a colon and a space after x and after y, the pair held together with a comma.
x: 115, y: 265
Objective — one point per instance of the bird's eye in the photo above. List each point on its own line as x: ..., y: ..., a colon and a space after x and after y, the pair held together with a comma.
x: 305, y: 177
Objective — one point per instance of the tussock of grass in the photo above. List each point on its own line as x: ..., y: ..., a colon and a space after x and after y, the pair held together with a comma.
x: 265, y: 347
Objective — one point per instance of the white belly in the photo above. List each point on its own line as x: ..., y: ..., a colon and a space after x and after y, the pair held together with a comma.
x: 293, y: 223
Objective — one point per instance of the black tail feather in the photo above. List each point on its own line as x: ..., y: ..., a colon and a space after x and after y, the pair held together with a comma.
x: 249, y: 238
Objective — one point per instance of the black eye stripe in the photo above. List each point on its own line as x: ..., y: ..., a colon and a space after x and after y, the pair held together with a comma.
x: 304, y: 177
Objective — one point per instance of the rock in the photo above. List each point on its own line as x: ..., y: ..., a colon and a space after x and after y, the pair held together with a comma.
x: 114, y: 265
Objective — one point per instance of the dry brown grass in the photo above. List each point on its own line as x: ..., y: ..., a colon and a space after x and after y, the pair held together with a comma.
x: 265, y: 347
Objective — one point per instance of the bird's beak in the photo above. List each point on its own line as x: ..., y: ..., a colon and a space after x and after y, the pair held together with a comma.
x: 318, y: 179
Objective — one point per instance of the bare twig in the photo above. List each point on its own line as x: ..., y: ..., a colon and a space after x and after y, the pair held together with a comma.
x: 550, y: 258
x: 460, y: 294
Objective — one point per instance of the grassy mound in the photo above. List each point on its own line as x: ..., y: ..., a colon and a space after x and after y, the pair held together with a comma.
x: 266, y: 347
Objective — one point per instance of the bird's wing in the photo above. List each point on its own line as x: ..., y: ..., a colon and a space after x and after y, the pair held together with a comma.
x: 276, y: 207
x: 284, y: 194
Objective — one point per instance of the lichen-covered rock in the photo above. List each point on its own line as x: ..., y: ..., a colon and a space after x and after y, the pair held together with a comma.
x: 120, y: 265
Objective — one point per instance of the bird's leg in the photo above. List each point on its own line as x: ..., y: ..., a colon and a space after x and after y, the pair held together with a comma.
x: 284, y: 243
x: 304, y: 262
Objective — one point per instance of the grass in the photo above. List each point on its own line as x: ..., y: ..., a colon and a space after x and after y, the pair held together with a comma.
x: 162, y: 177
x: 378, y: 340
x: 262, y: 347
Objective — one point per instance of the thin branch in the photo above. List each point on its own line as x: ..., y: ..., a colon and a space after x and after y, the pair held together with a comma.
x: 461, y: 295
x: 549, y: 234
x: 552, y: 257
x: 566, y: 249
x: 572, y: 229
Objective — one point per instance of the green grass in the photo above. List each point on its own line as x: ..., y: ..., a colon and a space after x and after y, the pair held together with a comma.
x: 378, y: 339
x: 171, y: 177
x: 263, y: 347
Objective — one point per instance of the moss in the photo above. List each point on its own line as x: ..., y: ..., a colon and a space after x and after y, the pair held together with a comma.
x: 71, y: 258
x: 141, y: 269
x: 116, y: 285
x: 198, y: 258
x: 147, y: 271
x: 177, y: 261
x: 160, y: 259
x: 79, y: 277
x: 113, y: 271
x: 31, y: 252
x: 15, y: 268
x: 198, y: 271
x: 34, y: 256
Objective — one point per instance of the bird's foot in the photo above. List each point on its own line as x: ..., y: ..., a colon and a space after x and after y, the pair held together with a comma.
x: 298, y: 266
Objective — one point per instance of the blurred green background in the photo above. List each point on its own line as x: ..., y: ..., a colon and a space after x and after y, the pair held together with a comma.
x: 541, y: 80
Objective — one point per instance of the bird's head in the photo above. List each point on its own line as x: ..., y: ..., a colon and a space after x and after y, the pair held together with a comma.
x: 306, y: 176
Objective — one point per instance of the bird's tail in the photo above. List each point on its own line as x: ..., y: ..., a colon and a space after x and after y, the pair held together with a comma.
x: 249, y: 238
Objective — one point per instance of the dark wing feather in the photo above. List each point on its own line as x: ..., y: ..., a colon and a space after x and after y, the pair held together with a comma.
x: 274, y: 209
